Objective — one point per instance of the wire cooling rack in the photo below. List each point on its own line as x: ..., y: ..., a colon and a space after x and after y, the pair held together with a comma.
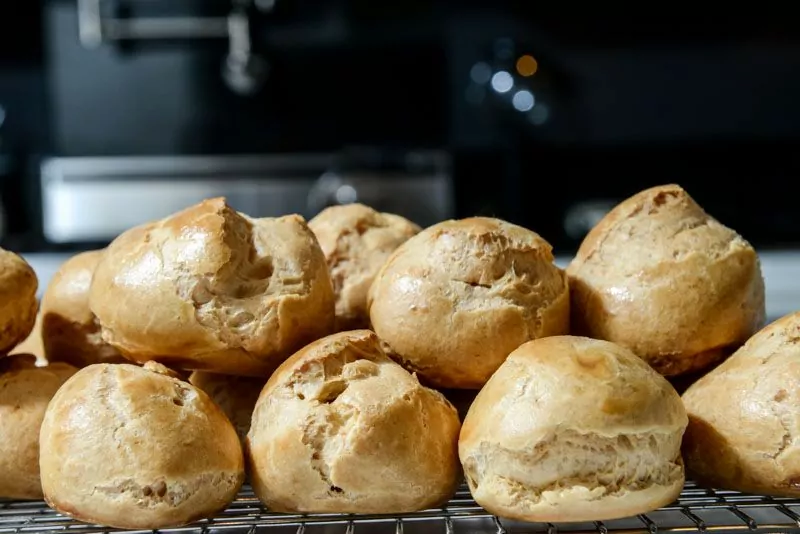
x: 698, y: 509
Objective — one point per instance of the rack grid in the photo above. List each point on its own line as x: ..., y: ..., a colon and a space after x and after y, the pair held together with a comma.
x: 697, y: 509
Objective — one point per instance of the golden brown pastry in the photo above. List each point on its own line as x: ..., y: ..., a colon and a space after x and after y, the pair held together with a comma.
x: 357, y: 241
x: 133, y: 447
x: 25, y: 391
x: 18, y: 304
x: 662, y: 277
x: 214, y: 290
x: 744, y: 416
x: 70, y: 331
x: 235, y: 395
x: 453, y: 301
x: 342, y: 428
x: 573, y: 429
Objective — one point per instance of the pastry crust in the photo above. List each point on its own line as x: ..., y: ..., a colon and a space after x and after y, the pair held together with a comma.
x: 25, y: 391
x: 573, y: 429
x: 744, y: 416
x: 342, y: 428
x: 70, y: 331
x: 357, y: 241
x: 453, y: 301
x: 235, y: 395
x: 662, y: 277
x: 18, y: 304
x: 133, y: 447
x: 212, y: 289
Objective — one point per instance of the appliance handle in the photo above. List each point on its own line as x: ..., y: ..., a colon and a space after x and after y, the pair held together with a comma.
x: 94, y: 29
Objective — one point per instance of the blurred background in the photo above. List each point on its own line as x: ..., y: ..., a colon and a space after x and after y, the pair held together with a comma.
x: 114, y: 112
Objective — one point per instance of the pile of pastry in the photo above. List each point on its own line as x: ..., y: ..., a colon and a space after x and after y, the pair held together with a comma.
x: 317, y: 360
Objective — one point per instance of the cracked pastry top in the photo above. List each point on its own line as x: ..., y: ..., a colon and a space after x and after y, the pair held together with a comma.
x: 665, y: 279
x: 215, y: 290
x: 357, y: 241
x: 25, y: 391
x: 573, y: 429
x: 744, y: 416
x: 18, y: 304
x: 453, y: 301
x: 136, y: 448
x: 70, y: 331
x: 342, y: 428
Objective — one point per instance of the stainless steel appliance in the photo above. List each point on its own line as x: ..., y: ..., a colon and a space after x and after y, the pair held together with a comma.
x: 94, y: 199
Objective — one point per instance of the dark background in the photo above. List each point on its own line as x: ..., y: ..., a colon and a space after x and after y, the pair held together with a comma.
x: 707, y: 100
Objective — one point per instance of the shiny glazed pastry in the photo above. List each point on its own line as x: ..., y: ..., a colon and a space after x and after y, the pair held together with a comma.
x: 357, y: 241
x: 235, y: 395
x: 133, y: 447
x: 660, y: 276
x: 18, y: 304
x: 573, y: 429
x: 342, y: 428
x: 25, y: 391
x: 453, y: 301
x: 744, y: 416
x: 70, y: 331
x: 215, y: 290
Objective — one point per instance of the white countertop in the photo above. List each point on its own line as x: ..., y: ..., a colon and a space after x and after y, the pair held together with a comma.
x: 781, y: 275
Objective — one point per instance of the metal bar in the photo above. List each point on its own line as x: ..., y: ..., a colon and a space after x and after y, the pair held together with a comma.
x: 751, y: 523
x: 789, y: 513
x: 246, y: 514
x: 154, y: 28
x: 90, y: 28
x: 94, y: 29
x: 648, y: 523
x: 701, y: 525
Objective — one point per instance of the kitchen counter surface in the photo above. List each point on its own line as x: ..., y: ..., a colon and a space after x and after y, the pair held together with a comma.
x: 781, y: 274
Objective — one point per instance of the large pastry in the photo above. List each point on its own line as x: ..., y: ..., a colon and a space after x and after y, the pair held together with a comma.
x: 342, y: 428
x: 573, y: 429
x: 665, y: 279
x: 453, y: 301
x: 744, y: 416
x: 134, y: 447
x: 214, y: 290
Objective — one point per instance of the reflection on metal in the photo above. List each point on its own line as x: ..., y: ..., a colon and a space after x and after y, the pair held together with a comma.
x: 94, y: 199
x: 243, y: 71
x: 94, y: 29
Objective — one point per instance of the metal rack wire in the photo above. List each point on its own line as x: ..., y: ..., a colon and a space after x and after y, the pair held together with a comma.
x: 698, y: 509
